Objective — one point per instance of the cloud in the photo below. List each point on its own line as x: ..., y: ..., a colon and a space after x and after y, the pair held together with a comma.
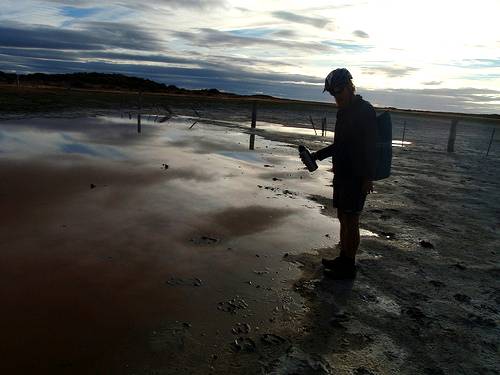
x: 191, y: 60
x: 285, y: 33
x: 361, y: 34
x: 88, y: 36
x: 151, y: 4
x: 262, y: 32
x: 210, y: 38
x: 432, y: 83
x: 467, y: 100
x: 348, y: 46
x: 480, y: 63
x: 292, y: 17
x: 390, y: 71
x: 195, y: 72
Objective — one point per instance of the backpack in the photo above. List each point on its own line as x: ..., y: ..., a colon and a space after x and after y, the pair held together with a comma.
x: 384, y: 146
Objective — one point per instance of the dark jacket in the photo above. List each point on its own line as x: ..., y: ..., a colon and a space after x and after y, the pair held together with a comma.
x: 353, y: 150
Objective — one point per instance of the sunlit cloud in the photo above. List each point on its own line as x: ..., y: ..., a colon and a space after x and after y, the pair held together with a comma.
x: 432, y: 83
x: 360, y: 34
x: 390, y: 71
x: 297, y: 18
x: 209, y: 38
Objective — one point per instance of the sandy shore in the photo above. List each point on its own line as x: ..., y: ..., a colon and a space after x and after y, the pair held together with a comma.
x: 180, y: 251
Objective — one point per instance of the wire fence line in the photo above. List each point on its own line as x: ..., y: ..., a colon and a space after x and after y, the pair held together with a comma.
x: 472, y: 136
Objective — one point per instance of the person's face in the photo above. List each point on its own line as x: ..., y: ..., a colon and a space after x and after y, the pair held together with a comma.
x: 343, y: 97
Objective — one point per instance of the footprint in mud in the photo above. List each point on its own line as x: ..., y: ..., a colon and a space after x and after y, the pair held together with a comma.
x: 205, y: 240
x: 177, y: 281
x: 339, y: 318
x: 459, y: 266
x: 174, y: 336
x: 415, y: 313
x: 271, y: 339
x: 437, y: 283
x: 233, y: 305
x: 241, y: 329
x: 433, y: 371
x: 419, y: 296
x: 462, y: 298
x: 295, y: 361
x: 243, y: 344
x: 473, y: 319
x: 363, y: 371
x: 426, y: 244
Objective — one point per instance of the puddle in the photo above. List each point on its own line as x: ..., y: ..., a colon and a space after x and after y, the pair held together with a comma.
x: 367, y: 233
x: 399, y: 143
x: 266, y: 126
x: 95, y: 227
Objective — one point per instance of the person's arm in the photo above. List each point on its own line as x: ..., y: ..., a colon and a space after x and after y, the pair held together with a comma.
x: 324, y: 152
x: 328, y: 151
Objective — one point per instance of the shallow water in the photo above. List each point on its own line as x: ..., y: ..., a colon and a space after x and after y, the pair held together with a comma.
x: 112, y: 239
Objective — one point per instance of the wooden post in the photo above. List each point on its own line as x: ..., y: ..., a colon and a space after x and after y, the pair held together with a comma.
x: 254, y: 115
x: 312, y: 123
x: 139, y: 113
x: 323, y: 127
x: 404, y: 131
x: 453, y: 134
x: 251, y: 146
x: 252, y: 142
x: 17, y: 80
x: 491, y: 141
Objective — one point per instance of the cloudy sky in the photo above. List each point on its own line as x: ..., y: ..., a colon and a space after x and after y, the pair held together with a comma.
x: 436, y: 55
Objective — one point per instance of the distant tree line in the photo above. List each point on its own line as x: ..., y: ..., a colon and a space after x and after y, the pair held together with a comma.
x: 100, y: 81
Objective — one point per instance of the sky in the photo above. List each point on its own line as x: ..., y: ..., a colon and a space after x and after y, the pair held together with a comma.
x: 435, y: 55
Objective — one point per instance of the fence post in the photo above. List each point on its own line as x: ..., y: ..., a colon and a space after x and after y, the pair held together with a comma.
x: 139, y: 113
x: 254, y: 115
x: 404, y: 131
x: 323, y: 127
x: 453, y: 134
x: 312, y: 123
x: 17, y: 81
x: 491, y: 141
x: 251, y: 146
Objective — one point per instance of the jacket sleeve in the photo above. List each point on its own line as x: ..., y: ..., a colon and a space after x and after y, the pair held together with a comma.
x: 368, y: 143
x: 326, y: 152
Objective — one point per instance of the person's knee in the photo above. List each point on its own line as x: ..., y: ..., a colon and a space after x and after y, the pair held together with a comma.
x: 350, y: 219
x: 340, y: 215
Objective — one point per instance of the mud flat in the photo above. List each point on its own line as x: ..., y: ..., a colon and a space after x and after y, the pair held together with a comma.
x: 181, y: 251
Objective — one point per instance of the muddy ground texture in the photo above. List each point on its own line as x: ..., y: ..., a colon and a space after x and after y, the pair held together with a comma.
x: 426, y: 298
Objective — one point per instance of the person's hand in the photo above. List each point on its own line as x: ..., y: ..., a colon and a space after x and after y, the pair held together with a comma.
x: 367, y: 187
x: 313, y: 156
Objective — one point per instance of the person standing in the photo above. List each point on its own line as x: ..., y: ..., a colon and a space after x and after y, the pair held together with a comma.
x: 353, y: 155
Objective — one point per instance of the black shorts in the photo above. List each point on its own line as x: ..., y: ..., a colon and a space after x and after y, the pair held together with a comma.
x: 348, y: 195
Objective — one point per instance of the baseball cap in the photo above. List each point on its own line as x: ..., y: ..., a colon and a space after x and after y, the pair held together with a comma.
x: 337, y: 80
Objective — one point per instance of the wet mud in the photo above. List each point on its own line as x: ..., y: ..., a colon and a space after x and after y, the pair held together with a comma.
x: 114, y: 263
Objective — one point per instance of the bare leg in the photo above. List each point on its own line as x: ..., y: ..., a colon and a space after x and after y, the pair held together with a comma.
x: 340, y: 216
x: 343, y: 267
x: 351, y: 234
